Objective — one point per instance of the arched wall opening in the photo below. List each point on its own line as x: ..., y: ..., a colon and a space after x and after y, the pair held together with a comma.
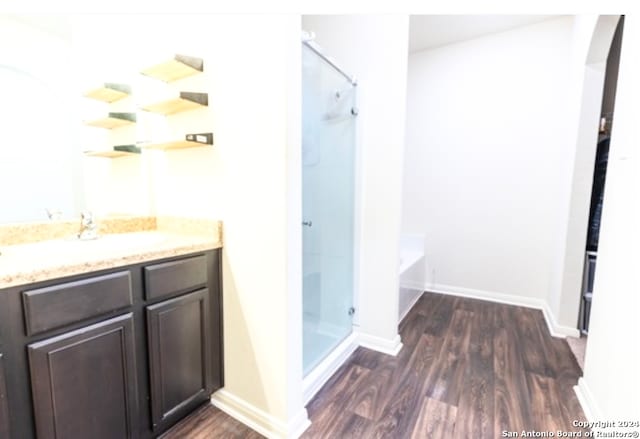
x: 590, y: 68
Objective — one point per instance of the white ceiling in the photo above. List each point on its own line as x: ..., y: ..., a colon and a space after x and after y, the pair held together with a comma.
x: 428, y: 31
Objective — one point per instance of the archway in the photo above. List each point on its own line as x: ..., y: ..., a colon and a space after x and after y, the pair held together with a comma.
x: 590, y: 74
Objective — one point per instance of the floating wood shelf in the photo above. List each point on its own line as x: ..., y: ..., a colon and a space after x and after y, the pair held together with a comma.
x: 111, y: 154
x: 109, y: 92
x: 181, y: 66
x: 184, y: 102
x: 177, y: 144
x: 117, y: 151
x: 113, y: 120
x: 191, y: 141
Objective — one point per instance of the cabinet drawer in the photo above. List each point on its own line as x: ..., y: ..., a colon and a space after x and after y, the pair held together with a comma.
x: 59, y: 305
x: 175, y: 276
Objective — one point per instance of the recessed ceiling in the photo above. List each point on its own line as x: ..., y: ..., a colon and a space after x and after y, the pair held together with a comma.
x: 429, y: 31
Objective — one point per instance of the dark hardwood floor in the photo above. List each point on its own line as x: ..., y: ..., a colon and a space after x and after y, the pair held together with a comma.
x: 468, y: 369
x: 209, y: 422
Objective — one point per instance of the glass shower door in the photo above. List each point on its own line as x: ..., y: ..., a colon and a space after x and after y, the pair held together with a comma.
x: 328, y: 153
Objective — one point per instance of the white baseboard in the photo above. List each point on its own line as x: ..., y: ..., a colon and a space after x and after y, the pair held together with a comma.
x: 379, y: 344
x: 555, y: 329
x: 587, y: 401
x: 508, y: 299
x: 258, y: 419
x: 299, y: 424
x: 318, y: 377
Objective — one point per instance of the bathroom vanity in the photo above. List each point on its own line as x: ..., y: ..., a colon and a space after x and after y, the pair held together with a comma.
x: 120, y: 352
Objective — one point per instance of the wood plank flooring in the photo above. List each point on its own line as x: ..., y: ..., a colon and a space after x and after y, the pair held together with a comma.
x: 209, y: 422
x: 468, y: 369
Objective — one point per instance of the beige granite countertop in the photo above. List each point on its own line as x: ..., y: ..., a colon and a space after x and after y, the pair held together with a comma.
x: 29, y: 262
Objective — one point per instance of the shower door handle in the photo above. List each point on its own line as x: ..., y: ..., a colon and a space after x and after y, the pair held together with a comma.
x: 307, y: 223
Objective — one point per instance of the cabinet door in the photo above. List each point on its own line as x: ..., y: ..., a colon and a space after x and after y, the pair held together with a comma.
x: 179, y: 356
x: 84, y: 382
x: 4, y: 403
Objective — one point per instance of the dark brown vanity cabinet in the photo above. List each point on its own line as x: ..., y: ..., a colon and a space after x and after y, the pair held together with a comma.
x: 179, y: 354
x: 84, y: 382
x: 122, y: 353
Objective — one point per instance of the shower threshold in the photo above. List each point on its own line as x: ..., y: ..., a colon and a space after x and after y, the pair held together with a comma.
x: 320, y: 374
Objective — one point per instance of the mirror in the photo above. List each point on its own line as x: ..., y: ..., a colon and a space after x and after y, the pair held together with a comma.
x: 39, y: 168
x: 47, y: 63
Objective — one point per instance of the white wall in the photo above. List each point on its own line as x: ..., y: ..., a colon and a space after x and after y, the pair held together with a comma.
x: 374, y: 49
x: 263, y: 329
x: 484, y: 162
x: 252, y: 75
x: 611, y: 387
x: 443, y: 183
x: 249, y: 60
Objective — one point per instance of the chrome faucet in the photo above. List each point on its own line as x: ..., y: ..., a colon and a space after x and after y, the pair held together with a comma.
x: 88, y: 227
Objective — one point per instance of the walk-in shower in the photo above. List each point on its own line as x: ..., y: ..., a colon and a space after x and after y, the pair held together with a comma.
x: 328, y: 162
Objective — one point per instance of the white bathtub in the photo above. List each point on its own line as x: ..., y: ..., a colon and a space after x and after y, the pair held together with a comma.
x: 411, y: 253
